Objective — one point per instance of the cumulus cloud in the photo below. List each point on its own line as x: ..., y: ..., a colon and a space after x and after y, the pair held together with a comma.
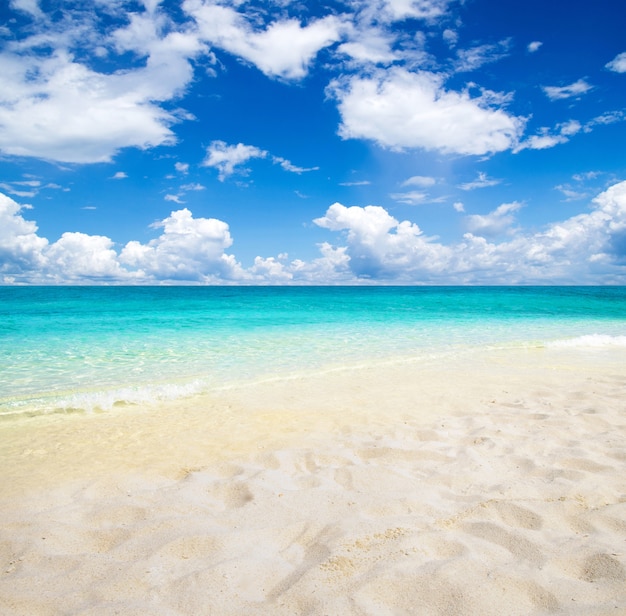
x: 54, y: 106
x: 373, y: 246
x: 574, y: 89
x: 283, y: 49
x: 587, y: 248
x: 534, y: 46
x: 494, y: 223
x: 20, y: 246
x: 189, y: 249
x: 618, y: 63
x: 400, y: 109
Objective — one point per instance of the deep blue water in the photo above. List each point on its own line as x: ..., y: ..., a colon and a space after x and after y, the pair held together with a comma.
x: 89, y: 347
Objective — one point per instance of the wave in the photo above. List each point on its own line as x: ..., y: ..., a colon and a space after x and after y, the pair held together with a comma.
x: 98, y: 401
x: 589, y: 341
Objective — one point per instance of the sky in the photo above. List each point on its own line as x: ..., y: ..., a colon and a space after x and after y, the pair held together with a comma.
x: 326, y: 142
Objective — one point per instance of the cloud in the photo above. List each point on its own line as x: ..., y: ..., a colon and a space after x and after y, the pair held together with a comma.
x: 189, y: 249
x: 55, y: 106
x: 587, y: 248
x: 20, y: 246
x: 474, y: 58
x: 494, y: 223
x: 413, y: 197
x: 545, y: 139
x: 373, y: 246
x: 288, y: 166
x: 379, y: 246
x: 174, y: 199
x: 27, y: 6
x: 482, y: 181
x: 419, y: 180
x: 574, y: 89
x: 618, y: 63
x: 451, y: 37
x: 182, y: 167
x: 225, y: 158
x: 119, y: 175
x: 79, y: 257
x: 397, y: 10
x: 283, y: 49
x: 228, y: 159
x: 534, y: 46
x: 399, y: 109
x: 368, y: 44
x: 358, y: 183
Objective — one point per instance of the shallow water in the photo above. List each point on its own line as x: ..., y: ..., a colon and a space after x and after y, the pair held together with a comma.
x: 90, y: 348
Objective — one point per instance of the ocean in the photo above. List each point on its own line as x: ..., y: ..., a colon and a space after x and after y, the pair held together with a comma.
x: 90, y: 349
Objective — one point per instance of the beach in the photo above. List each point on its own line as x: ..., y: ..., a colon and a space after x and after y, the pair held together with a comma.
x: 490, y: 483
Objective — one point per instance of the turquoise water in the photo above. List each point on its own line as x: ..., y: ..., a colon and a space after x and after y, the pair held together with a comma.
x: 64, y: 348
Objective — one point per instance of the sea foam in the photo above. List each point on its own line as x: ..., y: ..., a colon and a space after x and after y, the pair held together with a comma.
x: 589, y: 341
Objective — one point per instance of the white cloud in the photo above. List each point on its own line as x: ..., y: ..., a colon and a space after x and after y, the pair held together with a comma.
x: 618, y: 63
x: 587, y: 248
x: 471, y: 59
x: 77, y: 257
x: 379, y: 246
x: 534, y: 46
x: 399, y: 109
x: 14, y: 188
x: 413, y: 197
x: 283, y: 49
x: 494, y: 223
x: 419, y: 180
x: 119, y: 175
x: 54, y: 106
x: 574, y: 89
x: 358, y: 183
x: 545, y: 139
x: 27, y: 6
x: 225, y: 158
x: 451, y: 37
x: 20, y: 246
x: 398, y: 10
x: 174, y: 199
x: 374, y: 246
x: 288, y: 166
x: 458, y: 206
x: 195, y: 186
x: 482, y: 181
x: 189, y: 249
x: 182, y: 167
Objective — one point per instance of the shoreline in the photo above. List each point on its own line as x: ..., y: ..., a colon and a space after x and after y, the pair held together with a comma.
x: 455, y: 489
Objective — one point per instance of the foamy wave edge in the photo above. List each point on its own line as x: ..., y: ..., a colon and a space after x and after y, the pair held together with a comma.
x: 589, y: 341
x: 105, y: 400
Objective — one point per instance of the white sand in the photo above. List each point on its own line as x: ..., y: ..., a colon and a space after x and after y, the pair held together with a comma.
x: 492, y: 488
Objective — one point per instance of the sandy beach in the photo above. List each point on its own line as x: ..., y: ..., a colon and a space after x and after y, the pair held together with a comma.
x: 491, y: 486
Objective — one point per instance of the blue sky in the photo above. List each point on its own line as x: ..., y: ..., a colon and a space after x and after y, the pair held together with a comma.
x: 335, y: 142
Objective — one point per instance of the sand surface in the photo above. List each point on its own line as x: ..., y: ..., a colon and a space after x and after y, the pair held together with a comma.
x: 488, y: 485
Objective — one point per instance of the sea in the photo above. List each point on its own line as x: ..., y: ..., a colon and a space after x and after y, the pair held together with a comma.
x: 96, y: 348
